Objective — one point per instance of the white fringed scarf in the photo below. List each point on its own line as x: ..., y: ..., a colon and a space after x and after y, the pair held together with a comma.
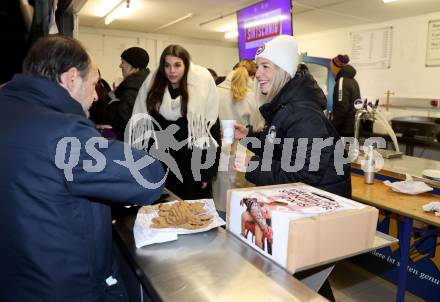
x: 202, y: 111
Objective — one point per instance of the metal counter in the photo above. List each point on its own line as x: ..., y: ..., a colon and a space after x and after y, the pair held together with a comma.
x: 210, y: 266
x: 216, y: 266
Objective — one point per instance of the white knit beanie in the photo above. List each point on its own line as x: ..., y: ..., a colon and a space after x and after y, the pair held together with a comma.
x: 282, y: 51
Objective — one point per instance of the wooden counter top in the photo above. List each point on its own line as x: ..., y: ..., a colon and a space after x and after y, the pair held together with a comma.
x: 398, y: 167
x: 383, y: 197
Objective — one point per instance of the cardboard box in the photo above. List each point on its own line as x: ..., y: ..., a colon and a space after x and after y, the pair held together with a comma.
x: 299, y: 226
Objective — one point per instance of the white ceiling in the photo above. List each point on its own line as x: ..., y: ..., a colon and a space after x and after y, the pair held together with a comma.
x: 309, y: 15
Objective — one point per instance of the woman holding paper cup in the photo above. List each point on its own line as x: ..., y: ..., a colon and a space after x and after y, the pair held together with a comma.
x: 237, y: 105
x: 182, y: 97
x: 294, y: 123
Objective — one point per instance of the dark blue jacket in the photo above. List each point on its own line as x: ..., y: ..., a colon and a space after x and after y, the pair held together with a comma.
x: 296, y: 114
x: 55, y: 234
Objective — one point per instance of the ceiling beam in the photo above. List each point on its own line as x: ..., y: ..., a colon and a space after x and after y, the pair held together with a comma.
x: 325, y: 9
x: 230, y: 13
x: 77, y: 5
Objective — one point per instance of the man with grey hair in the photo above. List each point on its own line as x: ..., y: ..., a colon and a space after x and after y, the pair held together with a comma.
x: 56, y: 172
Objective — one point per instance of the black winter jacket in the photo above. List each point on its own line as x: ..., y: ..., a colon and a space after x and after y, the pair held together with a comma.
x: 343, y: 110
x: 118, y: 113
x: 294, y: 117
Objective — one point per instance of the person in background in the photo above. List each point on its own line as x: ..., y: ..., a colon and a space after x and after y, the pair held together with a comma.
x: 213, y: 73
x: 217, y: 79
x: 292, y: 113
x: 182, y: 97
x: 56, y: 238
x: 346, y: 91
x: 236, y: 65
x: 117, y: 112
x: 236, y: 95
x: 96, y: 111
x: 238, y: 102
x: 102, y: 88
x: 15, y: 23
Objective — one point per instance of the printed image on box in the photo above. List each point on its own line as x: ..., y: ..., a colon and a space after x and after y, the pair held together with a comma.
x: 298, y: 225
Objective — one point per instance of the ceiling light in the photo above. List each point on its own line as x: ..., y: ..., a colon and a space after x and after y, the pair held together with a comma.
x: 228, y: 27
x: 119, y: 11
x: 265, y: 21
x: 102, y: 8
x: 388, y: 1
x: 231, y: 34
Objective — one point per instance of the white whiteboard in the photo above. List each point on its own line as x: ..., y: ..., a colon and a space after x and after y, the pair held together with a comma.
x: 433, y: 44
x: 372, y: 49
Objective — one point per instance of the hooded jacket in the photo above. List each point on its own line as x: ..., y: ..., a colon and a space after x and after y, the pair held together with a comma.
x: 343, y: 109
x: 294, y: 119
x: 56, y: 238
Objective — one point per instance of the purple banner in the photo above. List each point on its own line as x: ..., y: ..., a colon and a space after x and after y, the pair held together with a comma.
x: 260, y: 23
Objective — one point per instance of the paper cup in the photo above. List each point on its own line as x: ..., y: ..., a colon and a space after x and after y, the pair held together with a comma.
x: 369, y: 177
x: 228, y: 131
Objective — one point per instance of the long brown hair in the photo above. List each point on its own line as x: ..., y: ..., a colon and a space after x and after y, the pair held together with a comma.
x: 160, y: 82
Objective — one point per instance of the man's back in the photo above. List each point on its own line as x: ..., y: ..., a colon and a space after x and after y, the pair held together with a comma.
x: 345, y: 92
x: 55, y: 243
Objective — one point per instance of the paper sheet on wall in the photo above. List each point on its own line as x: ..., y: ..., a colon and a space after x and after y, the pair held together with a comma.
x: 433, y: 44
x: 372, y: 49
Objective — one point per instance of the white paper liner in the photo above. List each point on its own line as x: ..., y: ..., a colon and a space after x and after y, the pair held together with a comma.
x: 433, y: 206
x: 145, y: 235
x: 409, y: 186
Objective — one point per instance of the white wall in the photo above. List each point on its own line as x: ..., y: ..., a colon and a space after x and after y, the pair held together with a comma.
x: 106, y: 47
x: 408, y: 77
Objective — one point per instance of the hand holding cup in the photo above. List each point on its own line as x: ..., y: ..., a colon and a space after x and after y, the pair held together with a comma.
x: 228, y: 131
x: 240, y: 131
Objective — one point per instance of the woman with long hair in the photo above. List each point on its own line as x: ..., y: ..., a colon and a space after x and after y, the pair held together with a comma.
x: 182, y: 103
x: 303, y: 141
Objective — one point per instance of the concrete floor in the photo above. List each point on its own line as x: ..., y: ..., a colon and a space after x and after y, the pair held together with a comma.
x: 350, y: 282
